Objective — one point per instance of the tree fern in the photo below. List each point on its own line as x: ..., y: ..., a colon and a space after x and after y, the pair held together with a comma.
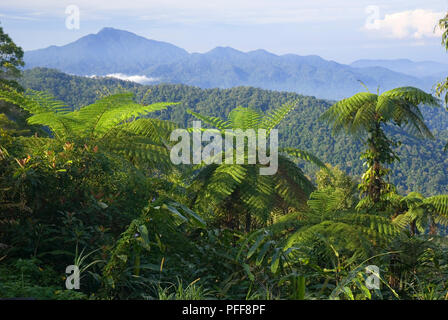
x: 364, y: 115
x: 223, y: 190
x: 420, y: 213
x: 317, y: 233
x: 115, y: 123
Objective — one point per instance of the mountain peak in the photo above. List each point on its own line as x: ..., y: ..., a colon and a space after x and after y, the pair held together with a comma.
x: 224, y: 49
x: 225, y: 52
x: 261, y: 53
x: 108, y: 51
x: 112, y: 51
x: 109, y: 31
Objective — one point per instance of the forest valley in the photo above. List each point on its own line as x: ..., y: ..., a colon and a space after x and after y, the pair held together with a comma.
x: 94, y: 187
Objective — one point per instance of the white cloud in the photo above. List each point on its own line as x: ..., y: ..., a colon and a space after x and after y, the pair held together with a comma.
x: 133, y: 78
x: 411, y: 24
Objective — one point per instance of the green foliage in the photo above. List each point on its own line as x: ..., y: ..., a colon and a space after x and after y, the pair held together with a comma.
x: 364, y: 116
x: 178, y: 292
x: 29, y: 278
x: 335, y: 181
x: 10, y: 62
x: 112, y: 122
x: 423, y: 166
x: 88, y: 185
x: 421, y: 213
x: 313, y: 245
x: 223, y: 189
x: 134, y: 235
x: 442, y: 87
x: 144, y: 235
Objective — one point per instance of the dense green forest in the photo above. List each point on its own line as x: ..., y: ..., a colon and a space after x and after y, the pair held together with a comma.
x: 423, y: 167
x: 87, y: 183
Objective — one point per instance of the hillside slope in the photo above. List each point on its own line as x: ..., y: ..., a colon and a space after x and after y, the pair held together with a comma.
x: 116, y: 51
x: 423, y: 166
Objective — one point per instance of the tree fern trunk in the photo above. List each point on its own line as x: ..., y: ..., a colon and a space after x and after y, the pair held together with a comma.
x: 394, y: 278
x: 248, y: 222
x: 432, y: 228
x: 413, y: 228
x: 376, y: 181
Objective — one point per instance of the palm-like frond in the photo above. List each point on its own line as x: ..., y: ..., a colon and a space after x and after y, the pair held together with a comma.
x: 256, y: 193
x: 213, y: 121
x: 304, y: 155
x: 245, y: 118
x: 322, y: 222
x: 443, y: 26
x: 273, y: 118
x: 103, y: 115
x: 34, y: 101
x: 155, y: 129
x: 439, y: 208
x: 44, y: 108
x: 344, y: 113
x: 115, y: 122
x: 218, y: 183
x: 240, y: 188
x: 357, y: 114
x: 412, y: 96
x: 291, y: 184
x: 403, y: 109
x: 419, y: 210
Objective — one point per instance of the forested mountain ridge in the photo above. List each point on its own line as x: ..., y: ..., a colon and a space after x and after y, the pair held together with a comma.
x: 423, y: 166
x: 91, y: 183
x: 117, y: 51
x: 108, y: 51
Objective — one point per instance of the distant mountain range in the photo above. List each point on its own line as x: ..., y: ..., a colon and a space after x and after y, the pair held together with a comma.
x: 406, y: 66
x: 112, y: 52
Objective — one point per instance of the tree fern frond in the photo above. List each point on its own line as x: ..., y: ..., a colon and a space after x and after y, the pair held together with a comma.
x: 213, y: 121
x: 322, y: 202
x: 32, y: 101
x: 124, y: 113
x: 304, y: 155
x: 48, y: 101
x: 256, y: 194
x: 413, y: 96
x: 244, y: 118
x: 439, y: 203
x: 222, y: 183
x: 342, y: 113
x: 385, y: 107
x: 412, y: 119
x: 362, y: 120
x: 157, y: 130
x: 291, y: 184
x: 273, y: 119
x: 143, y: 150
x: 89, y: 117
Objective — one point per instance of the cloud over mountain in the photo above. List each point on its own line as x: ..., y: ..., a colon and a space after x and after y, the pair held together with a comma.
x: 415, y: 24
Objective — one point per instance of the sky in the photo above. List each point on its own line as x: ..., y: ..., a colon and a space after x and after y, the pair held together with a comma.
x: 339, y: 30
